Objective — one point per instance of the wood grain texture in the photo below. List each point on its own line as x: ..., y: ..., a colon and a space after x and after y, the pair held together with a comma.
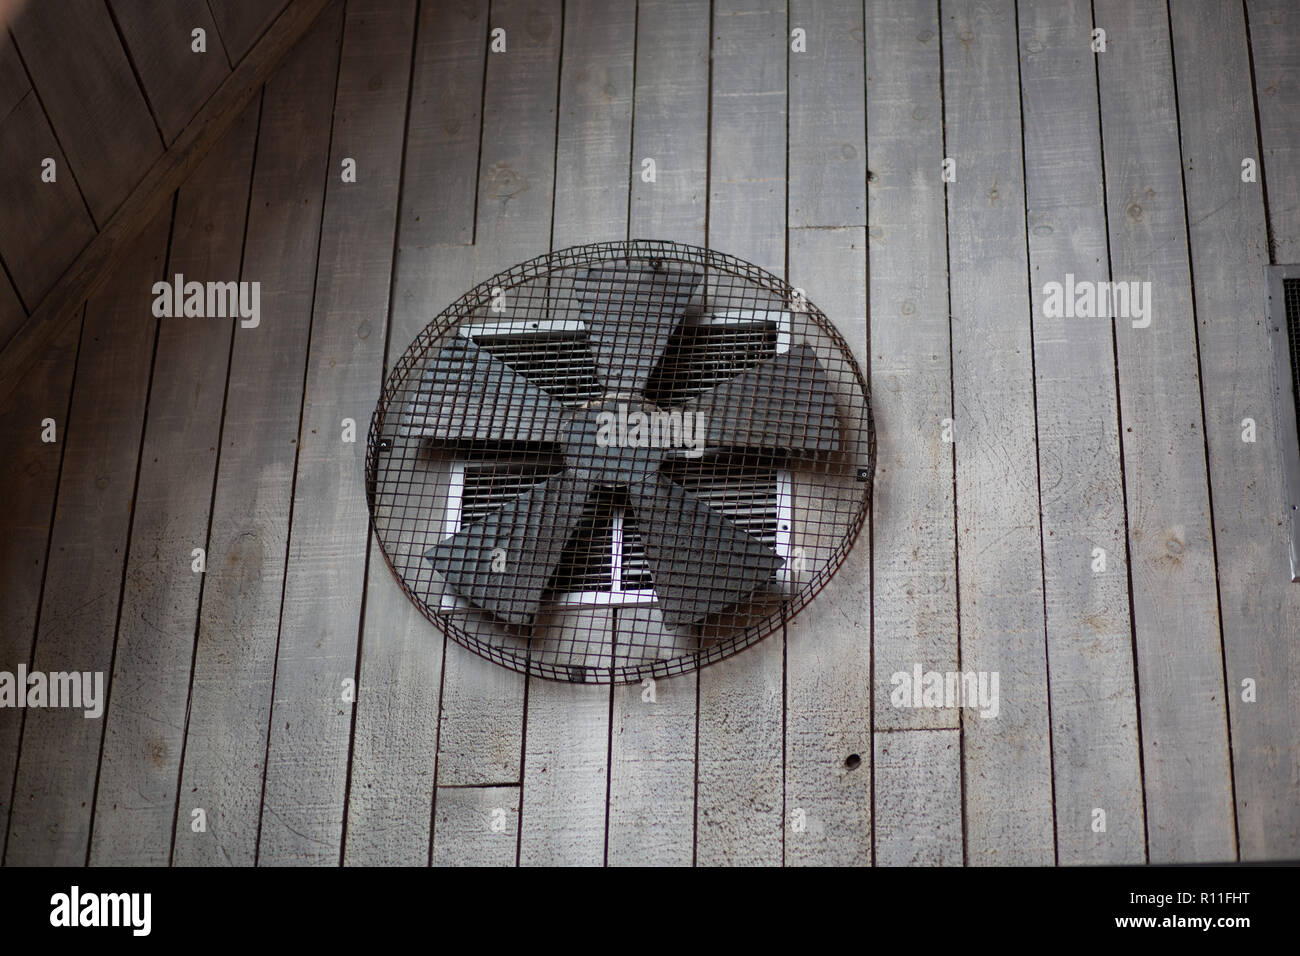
x: 43, y: 225
x: 914, y: 577
x: 51, y: 814
x: 242, y: 22
x: 106, y: 252
x: 442, y: 133
x: 739, y: 798
x: 566, y: 755
x: 828, y: 643
x: 481, y: 734
x: 311, y: 725
x: 29, y: 480
x: 1089, y: 638
x: 95, y: 106
x: 1175, y: 607
x: 476, y: 826
x: 230, y: 698
x: 159, y: 40
x: 1007, y: 757
x: 1229, y: 248
x: 828, y: 155
x: 918, y: 783
x: 145, y: 726
x: 652, y: 751
x: 1273, y: 25
x: 395, y: 741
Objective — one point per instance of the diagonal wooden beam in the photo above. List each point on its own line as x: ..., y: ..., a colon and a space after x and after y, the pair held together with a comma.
x: 98, y: 260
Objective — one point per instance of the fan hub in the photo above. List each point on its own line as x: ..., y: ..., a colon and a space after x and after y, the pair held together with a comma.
x: 619, y: 441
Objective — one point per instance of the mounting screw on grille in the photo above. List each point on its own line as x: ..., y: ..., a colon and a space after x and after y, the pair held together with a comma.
x: 385, y: 444
x: 864, y: 474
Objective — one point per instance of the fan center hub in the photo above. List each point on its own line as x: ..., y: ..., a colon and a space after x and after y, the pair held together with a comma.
x: 621, y: 441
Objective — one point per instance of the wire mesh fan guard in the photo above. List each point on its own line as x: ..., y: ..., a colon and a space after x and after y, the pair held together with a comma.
x: 620, y: 460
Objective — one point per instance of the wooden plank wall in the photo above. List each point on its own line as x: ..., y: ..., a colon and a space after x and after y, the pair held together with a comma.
x: 1121, y: 686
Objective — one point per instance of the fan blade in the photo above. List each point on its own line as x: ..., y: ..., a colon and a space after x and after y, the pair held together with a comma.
x: 631, y: 313
x: 467, y: 394
x: 531, y: 532
x: 701, y: 561
x: 785, y: 403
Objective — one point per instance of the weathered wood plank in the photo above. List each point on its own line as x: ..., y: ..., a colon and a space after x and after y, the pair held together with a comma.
x: 914, y: 578
x: 1171, y: 548
x: 176, y: 79
x: 88, y: 90
x: 1007, y: 757
x: 476, y: 826
x: 566, y: 769
x: 1273, y: 25
x: 652, y: 751
x: 1229, y: 248
x: 395, y: 740
x: 145, y: 727
x: 442, y: 134
x: 1089, y: 637
x: 739, y: 802
x: 43, y: 225
x: 51, y: 814
x: 828, y: 183
x: 97, y: 262
x: 230, y: 698
x: 29, y: 480
x: 828, y: 644
x: 242, y: 22
x: 481, y: 736
x: 311, y: 722
x: 918, y: 783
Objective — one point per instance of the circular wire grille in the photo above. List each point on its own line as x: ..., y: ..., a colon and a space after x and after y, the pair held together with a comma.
x: 619, y: 461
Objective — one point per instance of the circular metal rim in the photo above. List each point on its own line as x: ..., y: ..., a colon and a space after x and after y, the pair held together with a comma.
x: 576, y: 257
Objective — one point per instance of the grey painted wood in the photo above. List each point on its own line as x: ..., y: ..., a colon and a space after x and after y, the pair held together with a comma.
x: 53, y: 795
x: 566, y: 755
x: 230, y: 698
x: 1089, y: 638
x: 395, y: 740
x: 918, y: 782
x: 1273, y: 25
x: 652, y: 750
x: 1175, y: 610
x: 241, y: 22
x: 176, y: 80
x: 828, y: 643
x: 144, y: 730
x: 42, y: 225
x: 1007, y: 758
x: 29, y: 479
x: 739, y: 814
x: 94, y: 103
x: 914, y: 582
x: 827, y: 155
x: 1229, y: 248
x: 476, y: 826
x: 442, y: 133
x: 481, y: 733
x: 311, y: 724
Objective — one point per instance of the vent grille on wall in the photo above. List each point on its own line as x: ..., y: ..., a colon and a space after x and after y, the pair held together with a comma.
x: 1284, y: 327
x: 620, y: 461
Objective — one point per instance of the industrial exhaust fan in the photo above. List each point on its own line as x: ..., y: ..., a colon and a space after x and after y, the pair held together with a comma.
x: 620, y: 461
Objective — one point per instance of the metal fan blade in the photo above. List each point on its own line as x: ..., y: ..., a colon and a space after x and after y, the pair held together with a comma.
x: 631, y: 313
x: 785, y: 403
x: 504, y: 562
x: 701, y: 561
x: 466, y: 394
